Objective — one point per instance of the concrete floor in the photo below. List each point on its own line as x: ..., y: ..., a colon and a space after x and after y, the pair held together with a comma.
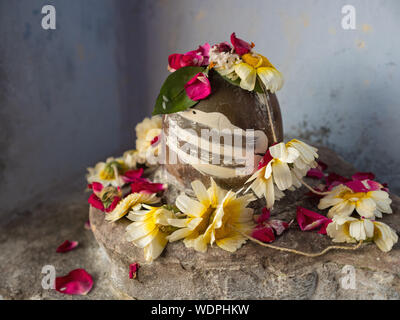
x: 29, y: 239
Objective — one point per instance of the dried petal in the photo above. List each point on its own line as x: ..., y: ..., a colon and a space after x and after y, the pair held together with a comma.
x: 67, y: 246
x: 310, y: 220
x: 133, y: 269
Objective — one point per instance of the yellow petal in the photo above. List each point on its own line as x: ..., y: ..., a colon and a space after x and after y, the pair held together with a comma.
x: 271, y: 78
x: 281, y: 174
x: 247, y: 75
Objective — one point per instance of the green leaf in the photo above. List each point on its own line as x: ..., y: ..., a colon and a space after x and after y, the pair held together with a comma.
x: 172, y: 97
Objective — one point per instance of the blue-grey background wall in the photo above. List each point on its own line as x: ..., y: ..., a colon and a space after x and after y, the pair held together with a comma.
x: 72, y: 96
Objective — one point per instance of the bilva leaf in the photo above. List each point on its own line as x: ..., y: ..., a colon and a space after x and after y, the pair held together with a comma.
x: 172, y: 97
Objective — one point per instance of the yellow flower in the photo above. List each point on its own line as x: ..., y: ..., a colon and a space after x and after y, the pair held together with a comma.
x: 214, y: 218
x: 230, y: 217
x: 133, y: 201
x: 150, y: 230
x: 198, y: 214
x: 255, y: 65
x: 350, y: 230
x: 282, y: 168
x: 344, y: 200
x: 108, y: 173
x: 146, y: 133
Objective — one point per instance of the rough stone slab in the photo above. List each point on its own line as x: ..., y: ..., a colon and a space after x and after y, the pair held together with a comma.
x: 255, y: 272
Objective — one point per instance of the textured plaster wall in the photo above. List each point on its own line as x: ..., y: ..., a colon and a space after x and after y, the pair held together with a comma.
x: 71, y: 96
x: 68, y: 97
x: 342, y: 86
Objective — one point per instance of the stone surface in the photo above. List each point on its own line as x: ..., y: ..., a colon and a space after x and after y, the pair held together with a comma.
x: 255, y: 272
x: 29, y: 238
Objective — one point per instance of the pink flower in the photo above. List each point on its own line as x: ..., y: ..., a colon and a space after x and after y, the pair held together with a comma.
x: 104, y: 200
x: 133, y: 269
x: 67, y: 246
x: 197, y: 57
x: 318, y: 172
x: 310, y: 220
x: 77, y: 282
x: 266, y: 229
x: 241, y: 47
x: 198, y: 87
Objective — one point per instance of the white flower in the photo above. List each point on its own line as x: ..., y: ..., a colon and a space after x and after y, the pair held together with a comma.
x: 224, y: 62
x: 214, y: 217
x: 150, y: 230
x: 133, y: 201
x: 108, y: 173
x: 282, y: 168
x: 147, y: 132
x: 344, y: 200
x: 350, y: 230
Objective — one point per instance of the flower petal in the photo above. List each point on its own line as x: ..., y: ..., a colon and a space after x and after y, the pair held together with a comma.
x: 133, y: 269
x: 198, y: 88
x: 241, y: 47
x: 310, y: 220
x: 247, y: 75
x: 271, y: 78
x: 281, y: 174
x: 77, y: 282
x: 67, y: 246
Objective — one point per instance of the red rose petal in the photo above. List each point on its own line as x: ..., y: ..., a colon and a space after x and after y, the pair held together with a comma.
x: 133, y: 269
x: 241, y: 47
x: 132, y: 175
x: 264, y: 234
x: 95, y: 202
x: 67, y: 246
x: 77, y: 282
x: 363, y: 176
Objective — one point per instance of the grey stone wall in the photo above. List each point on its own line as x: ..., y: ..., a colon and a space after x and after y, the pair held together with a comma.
x: 71, y: 96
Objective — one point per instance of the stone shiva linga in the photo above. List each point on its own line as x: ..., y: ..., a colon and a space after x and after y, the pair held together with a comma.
x: 211, y: 172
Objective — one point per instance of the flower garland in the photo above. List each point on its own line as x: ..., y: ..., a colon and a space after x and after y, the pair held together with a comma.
x: 222, y: 217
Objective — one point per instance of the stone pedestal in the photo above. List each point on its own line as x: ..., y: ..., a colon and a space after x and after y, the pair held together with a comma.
x: 255, y: 272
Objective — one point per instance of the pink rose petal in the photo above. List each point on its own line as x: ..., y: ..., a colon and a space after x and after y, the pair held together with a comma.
x: 133, y: 269
x: 77, y: 282
x: 310, y: 220
x: 197, y: 57
x: 67, y: 246
x: 198, y: 87
x: 241, y: 47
